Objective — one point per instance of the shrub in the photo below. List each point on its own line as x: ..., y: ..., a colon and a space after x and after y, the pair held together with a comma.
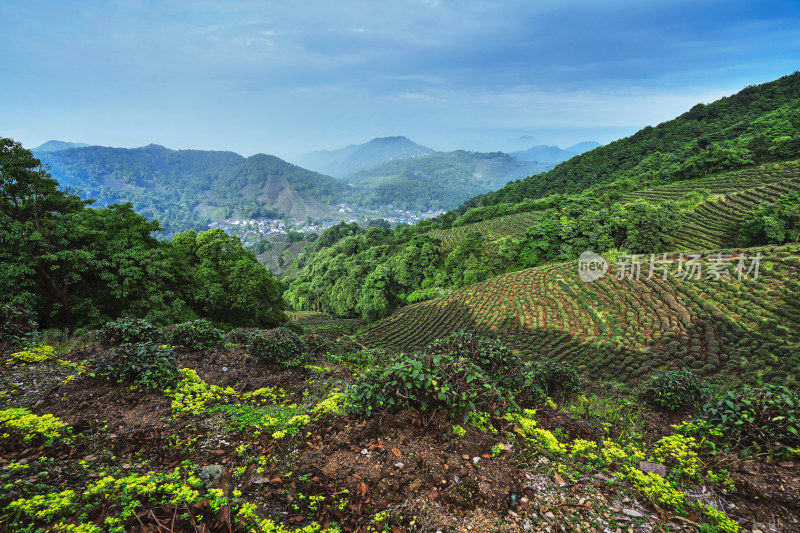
x: 196, y: 335
x: 674, y: 389
x: 358, y: 358
x: 427, y: 382
x: 151, y: 366
x: 240, y: 336
x: 17, y: 326
x: 548, y: 379
x: 279, y: 345
x: 765, y: 416
x: 498, y: 361
x: 128, y: 331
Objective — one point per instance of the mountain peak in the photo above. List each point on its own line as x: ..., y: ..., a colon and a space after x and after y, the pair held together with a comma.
x: 57, y: 146
x: 355, y: 157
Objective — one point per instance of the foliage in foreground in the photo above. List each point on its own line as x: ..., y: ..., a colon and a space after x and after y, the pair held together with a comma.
x: 279, y: 345
x: 127, y: 330
x: 149, y: 365
x: 674, y: 389
x: 756, y: 418
x: 461, y: 373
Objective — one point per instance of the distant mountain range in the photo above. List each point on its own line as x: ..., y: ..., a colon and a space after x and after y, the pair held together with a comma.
x: 355, y: 157
x: 551, y: 155
x: 186, y: 189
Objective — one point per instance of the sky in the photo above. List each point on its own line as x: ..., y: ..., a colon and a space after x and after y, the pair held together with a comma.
x: 285, y: 78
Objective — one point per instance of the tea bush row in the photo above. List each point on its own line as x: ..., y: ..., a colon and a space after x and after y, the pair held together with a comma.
x: 192, y: 336
x: 461, y: 373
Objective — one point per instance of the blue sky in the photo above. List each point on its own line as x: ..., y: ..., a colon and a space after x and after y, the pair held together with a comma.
x: 289, y: 77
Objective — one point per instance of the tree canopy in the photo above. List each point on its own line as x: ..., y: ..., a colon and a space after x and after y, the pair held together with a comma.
x: 77, y: 266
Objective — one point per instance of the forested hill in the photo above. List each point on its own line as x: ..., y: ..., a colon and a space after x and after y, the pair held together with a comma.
x: 186, y: 188
x: 758, y: 124
x: 438, y: 181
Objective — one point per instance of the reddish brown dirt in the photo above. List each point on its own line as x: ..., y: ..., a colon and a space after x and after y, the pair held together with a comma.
x: 437, y: 482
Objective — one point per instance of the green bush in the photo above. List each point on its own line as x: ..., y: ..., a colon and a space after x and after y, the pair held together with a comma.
x: 674, y: 389
x: 196, y: 335
x: 279, y: 345
x: 128, y: 331
x: 240, y: 336
x: 427, y: 382
x: 358, y: 358
x: 146, y: 364
x: 17, y: 326
x: 548, y: 379
x: 762, y: 417
x: 497, y: 360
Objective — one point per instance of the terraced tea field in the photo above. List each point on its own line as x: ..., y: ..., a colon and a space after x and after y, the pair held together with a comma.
x: 715, y: 223
x: 324, y: 324
x: 622, y: 330
x: 724, y: 183
x: 492, y: 230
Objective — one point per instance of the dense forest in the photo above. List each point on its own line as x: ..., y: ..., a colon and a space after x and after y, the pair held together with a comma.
x: 78, y: 266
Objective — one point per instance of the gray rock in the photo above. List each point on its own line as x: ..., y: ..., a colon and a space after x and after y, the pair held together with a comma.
x: 399, y: 465
x: 212, y: 475
x: 655, y: 468
x: 632, y: 513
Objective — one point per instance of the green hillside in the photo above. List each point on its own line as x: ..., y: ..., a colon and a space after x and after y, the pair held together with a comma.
x: 185, y: 189
x: 437, y: 181
x: 760, y: 123
x: 507, y: 266
x: 614, y: 330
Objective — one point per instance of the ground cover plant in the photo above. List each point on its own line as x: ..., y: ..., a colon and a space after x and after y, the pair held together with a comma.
x: 236, y: 445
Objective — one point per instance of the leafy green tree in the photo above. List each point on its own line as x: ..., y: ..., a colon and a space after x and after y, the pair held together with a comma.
x: 375, y: 300
x: 227, y: 284
x: 649, y: 227
x: 40, y: 254
x: 773, y: 224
